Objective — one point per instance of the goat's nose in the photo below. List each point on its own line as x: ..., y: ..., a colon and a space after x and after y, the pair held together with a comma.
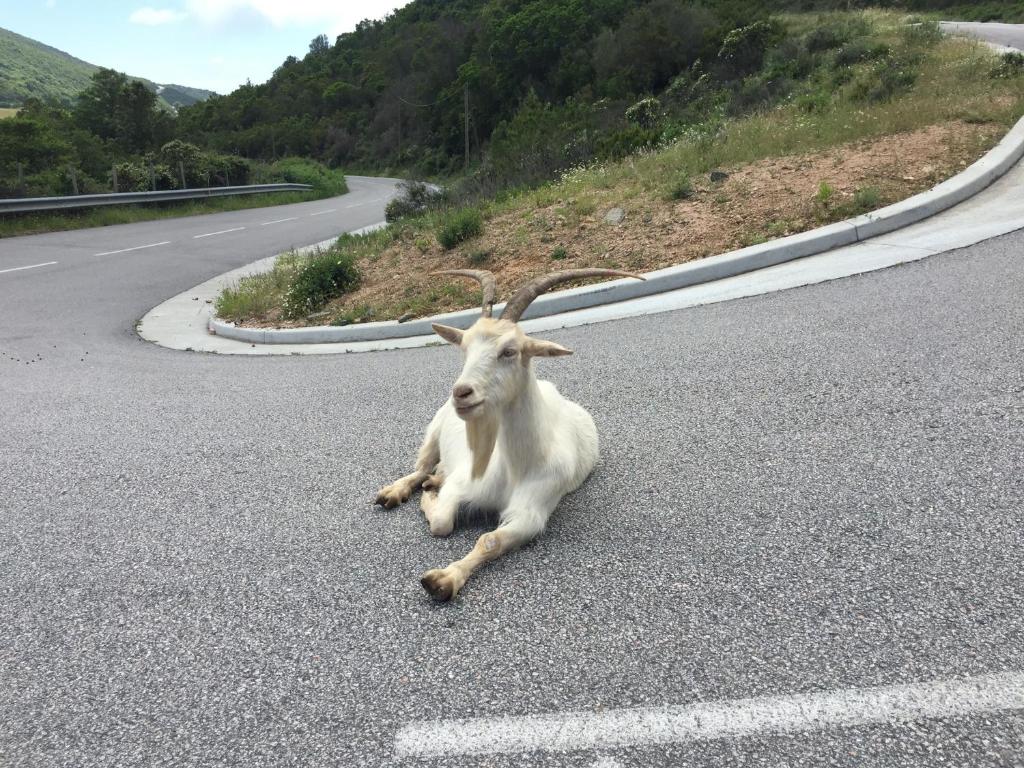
x: 462, y: 391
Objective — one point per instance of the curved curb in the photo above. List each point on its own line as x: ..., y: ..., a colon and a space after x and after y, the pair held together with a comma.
x: 943, y: 196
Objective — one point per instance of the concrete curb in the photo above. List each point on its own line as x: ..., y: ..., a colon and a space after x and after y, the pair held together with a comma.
x: 924, y: 205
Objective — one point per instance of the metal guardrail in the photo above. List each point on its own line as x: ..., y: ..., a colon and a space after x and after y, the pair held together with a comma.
x: 22, y: 204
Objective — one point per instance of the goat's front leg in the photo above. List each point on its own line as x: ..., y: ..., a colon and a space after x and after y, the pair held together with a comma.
x: 516, y: 529
x: 390, y: 496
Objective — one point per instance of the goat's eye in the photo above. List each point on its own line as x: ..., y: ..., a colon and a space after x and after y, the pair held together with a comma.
x: 510, y: 352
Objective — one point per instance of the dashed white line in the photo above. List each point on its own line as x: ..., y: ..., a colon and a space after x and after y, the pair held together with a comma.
x: 646, y: 726
x: 136, y: 248
x: 321, y: 213
x: 222, y: 232
x: 30, y: 266
x: 277, y: 221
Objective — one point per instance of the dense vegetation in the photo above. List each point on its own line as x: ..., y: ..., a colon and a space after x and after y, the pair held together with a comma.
x: 117, y: 131
x: 545, y: 77
x: 31, y: 70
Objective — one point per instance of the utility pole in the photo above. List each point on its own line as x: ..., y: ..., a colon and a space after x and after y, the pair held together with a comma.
x: 465, y: 109
x: 399, y: 129
x: 113, y: 177
x: 21, y: 179
x: 181, y: 169
x: 74, y: 178
x: 152, y: 177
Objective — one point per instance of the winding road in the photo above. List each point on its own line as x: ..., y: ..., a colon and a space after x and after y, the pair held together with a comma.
x: 815, y: 493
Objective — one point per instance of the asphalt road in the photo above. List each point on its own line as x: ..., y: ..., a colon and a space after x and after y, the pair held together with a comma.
x: 814, y: 490
x: 1010, y: 35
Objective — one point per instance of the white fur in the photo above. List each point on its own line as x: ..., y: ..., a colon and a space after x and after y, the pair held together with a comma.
x: 544, y: 447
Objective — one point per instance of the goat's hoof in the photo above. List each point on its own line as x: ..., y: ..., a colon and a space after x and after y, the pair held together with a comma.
x: 433, y: 482
x: 391, y: 496
x: 440, y: 585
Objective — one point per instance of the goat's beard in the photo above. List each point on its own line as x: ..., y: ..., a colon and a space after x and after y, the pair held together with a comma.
x: 482, y: 434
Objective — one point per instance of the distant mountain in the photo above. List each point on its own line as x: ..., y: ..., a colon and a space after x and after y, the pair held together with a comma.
x: 30, y: 69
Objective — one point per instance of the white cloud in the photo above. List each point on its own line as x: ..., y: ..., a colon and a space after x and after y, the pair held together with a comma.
x: 336, y: 17
x: 154, y: 17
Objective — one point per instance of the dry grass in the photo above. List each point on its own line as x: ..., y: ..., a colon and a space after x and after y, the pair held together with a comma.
x: 8, y: 112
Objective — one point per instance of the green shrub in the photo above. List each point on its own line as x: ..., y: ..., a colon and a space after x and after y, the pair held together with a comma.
x: 681, y: 187
x: 646, y: 113
x: 883, y: 82
x: 825, y: 193
x: 414, y: 199
x: 744, y: 49
x: 858, y: 51
x: 866, y: 199
x: 459, y: 226
x: 1010, y: 65
x: 300, y: 170
x: 479, y: 258
x: 322, y: 278
x: 559, y: 254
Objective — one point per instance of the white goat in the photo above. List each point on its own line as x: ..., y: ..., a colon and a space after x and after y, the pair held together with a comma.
x: 505, y: 441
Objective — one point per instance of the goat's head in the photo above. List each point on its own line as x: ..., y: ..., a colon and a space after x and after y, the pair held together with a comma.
x: 498, y: 352
x: 498, y: 355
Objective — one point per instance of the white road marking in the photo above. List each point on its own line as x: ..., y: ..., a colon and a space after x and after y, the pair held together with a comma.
x: 321, y: 213
x: 222, y: 232
x: 277, y: 221
x: 30, y: 266
x: 136, y: 248
x: 645, y: 726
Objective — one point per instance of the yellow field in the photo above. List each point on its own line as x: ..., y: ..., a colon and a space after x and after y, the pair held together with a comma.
x: 7, y: 112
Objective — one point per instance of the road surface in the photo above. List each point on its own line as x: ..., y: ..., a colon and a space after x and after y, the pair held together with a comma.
x: 814, y: 493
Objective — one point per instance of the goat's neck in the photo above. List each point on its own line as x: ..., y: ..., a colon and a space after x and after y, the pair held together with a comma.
x: 525, y: 423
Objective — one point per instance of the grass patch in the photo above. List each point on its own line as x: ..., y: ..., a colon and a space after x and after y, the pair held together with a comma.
x: 256, y: 295
x: 459, y: 226
x: 299, y: 285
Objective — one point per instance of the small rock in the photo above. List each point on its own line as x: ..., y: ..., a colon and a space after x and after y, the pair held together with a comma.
x: 406, y: 317
x: 614, y: 216
x: 718, y: 176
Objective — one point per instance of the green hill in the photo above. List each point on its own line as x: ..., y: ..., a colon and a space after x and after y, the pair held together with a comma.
x: 30, y: 69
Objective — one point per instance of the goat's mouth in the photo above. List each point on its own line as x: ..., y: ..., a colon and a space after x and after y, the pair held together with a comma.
x: 465, y: 410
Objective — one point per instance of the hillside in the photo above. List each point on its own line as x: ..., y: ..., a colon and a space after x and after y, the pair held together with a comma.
x: 389, y: 95
x: 30, y: 69
x: 831, y: 116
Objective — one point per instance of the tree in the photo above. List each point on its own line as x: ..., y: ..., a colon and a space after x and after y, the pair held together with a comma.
x: 319, y: 45
x: 122, y: 111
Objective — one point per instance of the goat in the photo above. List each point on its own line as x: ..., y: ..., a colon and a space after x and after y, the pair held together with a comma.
x: 505, y: 441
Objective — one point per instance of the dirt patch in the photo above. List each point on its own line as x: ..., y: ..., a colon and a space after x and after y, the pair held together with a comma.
x: 761, y: 201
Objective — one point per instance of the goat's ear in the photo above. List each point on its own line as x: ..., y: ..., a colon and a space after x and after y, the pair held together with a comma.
x: 449, y: 334
x: 540, y: 348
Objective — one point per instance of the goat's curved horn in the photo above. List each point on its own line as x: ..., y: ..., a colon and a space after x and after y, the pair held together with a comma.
x: 486, y: 280
x: 524, y: 296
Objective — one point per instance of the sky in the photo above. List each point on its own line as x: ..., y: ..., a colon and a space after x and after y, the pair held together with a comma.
x: 212, y: 44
